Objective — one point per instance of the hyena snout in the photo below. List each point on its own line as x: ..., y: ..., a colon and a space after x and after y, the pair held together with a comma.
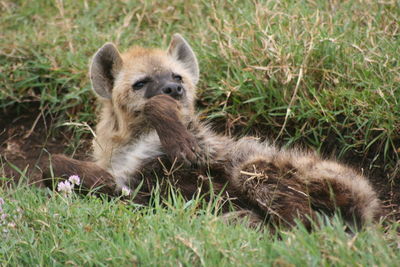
x: 170, y: 88
x: 173, y: 90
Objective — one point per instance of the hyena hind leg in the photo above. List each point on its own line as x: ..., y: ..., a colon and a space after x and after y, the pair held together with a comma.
x: 93, y: 177
x: 286, y: 193
x: 346, y: 193
x: 276, y: 193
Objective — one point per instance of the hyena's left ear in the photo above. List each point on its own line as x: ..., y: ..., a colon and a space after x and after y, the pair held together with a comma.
x: 182, y: 52
x: 106, y: 63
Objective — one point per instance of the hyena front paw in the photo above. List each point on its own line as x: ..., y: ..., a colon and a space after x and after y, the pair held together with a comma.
x: 163, y: 113
x: 182, y: 148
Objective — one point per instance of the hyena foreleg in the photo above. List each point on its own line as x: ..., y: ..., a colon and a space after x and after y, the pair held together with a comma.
x: 162, y: 112
x: 92, y: 177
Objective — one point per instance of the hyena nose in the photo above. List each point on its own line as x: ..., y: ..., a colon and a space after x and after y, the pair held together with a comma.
x: 173, y: 90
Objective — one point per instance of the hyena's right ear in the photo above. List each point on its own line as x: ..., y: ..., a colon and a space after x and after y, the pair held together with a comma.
x: 181, y: 51
x: 106, y: 63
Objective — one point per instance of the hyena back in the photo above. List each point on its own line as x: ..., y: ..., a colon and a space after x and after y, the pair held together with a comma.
x: 148, y: 130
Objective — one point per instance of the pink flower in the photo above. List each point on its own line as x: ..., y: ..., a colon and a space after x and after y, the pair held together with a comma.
x: 65, y: 187
x: 125, y: 191
x: 3, y: 216
x: 1, y: 201
x: 74, y: 179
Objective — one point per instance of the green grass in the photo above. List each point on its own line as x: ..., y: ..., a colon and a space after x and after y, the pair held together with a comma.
x: 320, y: 74
x: 45, y: 228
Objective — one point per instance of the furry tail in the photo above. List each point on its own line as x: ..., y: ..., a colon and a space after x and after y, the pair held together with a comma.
x: 353, y: 198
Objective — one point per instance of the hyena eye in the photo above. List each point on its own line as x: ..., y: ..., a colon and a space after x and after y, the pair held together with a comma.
x: 139, y: 84
x: 177, y: 77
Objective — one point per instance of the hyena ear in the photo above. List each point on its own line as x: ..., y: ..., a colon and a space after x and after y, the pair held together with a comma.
x: 181, y: 51
x: 106, y: 63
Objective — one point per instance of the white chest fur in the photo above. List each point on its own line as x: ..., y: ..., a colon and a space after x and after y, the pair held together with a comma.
x: 126, y: 161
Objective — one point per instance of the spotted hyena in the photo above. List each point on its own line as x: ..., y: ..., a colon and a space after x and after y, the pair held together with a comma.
x: 148, y: 133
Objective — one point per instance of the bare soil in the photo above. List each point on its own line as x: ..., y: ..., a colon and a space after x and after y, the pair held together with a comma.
x: 26, y: 139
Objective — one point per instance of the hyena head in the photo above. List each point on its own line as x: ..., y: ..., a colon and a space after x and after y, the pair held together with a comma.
x: 129, y: 79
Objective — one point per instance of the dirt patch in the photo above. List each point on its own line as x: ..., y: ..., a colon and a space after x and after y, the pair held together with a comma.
x: 25, y: 139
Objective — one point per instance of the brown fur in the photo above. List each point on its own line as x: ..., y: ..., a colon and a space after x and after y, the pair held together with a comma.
x: 92, y: 176
x: 163, y: 114
x: 145, y: 141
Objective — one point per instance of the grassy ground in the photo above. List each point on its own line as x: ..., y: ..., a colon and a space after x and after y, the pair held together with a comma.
x: 323, y: 74
x: 45, y: 228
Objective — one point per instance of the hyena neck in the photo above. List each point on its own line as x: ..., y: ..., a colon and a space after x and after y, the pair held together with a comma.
x: 107, y: 145
x: 114, y: 131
